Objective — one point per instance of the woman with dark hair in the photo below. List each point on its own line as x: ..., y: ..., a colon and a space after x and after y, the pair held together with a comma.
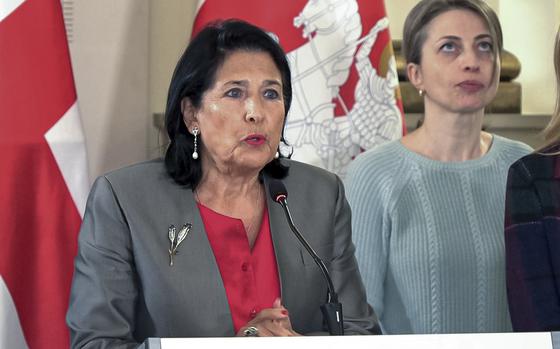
x: 193, y: 246
x: 428, y: 209
x: 532, y: 230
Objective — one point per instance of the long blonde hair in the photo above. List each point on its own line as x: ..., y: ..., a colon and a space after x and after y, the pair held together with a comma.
x: 552, y: 130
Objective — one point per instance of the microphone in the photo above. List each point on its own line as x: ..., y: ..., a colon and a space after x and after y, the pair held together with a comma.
x: 332, y: 310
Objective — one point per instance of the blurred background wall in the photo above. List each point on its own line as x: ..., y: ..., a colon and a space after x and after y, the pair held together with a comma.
x: 124, y: 51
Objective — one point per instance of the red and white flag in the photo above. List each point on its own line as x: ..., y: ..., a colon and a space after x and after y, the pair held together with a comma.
x: 43, y: 180
x: 344, y: 78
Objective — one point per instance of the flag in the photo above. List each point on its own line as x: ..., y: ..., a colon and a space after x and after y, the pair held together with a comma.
x: 344, y: 79
x: 43, y: 180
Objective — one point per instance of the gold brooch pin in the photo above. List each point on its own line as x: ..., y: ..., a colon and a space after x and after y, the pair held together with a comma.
x: 176, y: 239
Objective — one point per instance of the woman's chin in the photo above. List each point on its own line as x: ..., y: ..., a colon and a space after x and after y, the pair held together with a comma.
x: 469, y: 107
x: 254, y: 162
x: 473, y: 104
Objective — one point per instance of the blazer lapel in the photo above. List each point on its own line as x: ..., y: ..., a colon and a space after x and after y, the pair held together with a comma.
x: 197, y: 253
x: 288, y: 257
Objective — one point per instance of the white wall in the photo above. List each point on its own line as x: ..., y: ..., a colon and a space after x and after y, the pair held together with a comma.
x: 110, y: 60
x: 529, y: 31
x: 397, y: 11
x: 124, y: 52
x: 170, y: 30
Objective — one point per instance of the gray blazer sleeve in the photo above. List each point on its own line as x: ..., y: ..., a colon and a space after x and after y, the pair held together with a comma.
x: 359, y: 317
x: 320, y: 211
x: 104, y: 289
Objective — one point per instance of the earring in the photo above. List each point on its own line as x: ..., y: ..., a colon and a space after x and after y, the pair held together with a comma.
x: 195, y: 134
x: 277, y: 155
x: 421, y: 92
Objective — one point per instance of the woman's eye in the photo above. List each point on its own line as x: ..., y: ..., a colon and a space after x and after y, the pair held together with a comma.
x: 448, y: 47
x: 234, y: 93
x: 271, y: 94
x: 485, y: 46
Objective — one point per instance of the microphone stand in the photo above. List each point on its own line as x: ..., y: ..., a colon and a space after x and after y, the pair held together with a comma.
x: 332, y: 310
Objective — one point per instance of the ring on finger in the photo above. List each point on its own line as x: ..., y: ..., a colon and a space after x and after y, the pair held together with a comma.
x: 251, y: 331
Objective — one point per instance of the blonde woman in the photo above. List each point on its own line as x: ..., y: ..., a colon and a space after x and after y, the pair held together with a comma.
x: 427, y: 210
x: 532, y: 231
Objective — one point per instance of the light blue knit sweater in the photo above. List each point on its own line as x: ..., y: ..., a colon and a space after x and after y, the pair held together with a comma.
x: 429, y: 238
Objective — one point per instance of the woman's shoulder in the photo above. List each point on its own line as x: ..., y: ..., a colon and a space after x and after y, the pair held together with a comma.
x: 385, y: 160
x: 140, y: 188
x: 379, y: 175
x: 140, y: 175
x: 300, y: 171
x: 542, y: 163
x: 311, y: 184
x: 382, y: 152
x: 511, y: 148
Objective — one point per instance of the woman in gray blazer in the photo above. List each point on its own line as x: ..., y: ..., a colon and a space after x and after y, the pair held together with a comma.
x: 192, y: 246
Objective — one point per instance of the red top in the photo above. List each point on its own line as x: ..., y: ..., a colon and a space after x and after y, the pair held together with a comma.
x: 250, y: 276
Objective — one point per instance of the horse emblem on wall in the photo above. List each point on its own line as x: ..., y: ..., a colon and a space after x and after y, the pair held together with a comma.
x: 335, y: 45
x: 345, y: 85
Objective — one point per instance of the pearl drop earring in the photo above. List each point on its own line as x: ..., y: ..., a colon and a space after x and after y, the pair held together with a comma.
x: 195, y: 134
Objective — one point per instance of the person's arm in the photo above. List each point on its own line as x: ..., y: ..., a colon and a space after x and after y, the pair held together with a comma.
x: 104, y: 289
x: 359, y: 317
x: 371, y: 230
x: 533, y: 295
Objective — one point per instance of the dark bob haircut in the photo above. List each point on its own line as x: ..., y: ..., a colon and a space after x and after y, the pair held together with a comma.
x: 195, y: 74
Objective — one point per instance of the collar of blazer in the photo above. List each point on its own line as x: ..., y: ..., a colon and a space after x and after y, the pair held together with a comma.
x: 288, y: 254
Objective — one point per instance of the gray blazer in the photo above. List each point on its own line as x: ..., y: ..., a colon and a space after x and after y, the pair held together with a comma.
x: 124, y: 290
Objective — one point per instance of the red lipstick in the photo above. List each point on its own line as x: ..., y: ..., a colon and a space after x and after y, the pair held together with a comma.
x: 255, y: 139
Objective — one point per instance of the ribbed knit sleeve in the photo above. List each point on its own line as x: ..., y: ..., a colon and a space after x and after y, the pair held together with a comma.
x: 370, y: 190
